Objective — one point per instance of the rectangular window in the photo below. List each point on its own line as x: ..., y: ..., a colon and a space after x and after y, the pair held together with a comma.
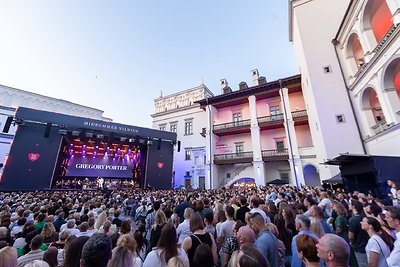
x: 187, y: 154
x: 236, y: 117
x: 274, y: 110
x: 239, y: 149
x: 163, y: 127
x: 280, y: 146
x: 188, y: 127
x: 173, y: 127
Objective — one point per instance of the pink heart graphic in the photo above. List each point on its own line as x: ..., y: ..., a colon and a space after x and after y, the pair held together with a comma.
x: 160, y: 165
x: 33, y: 156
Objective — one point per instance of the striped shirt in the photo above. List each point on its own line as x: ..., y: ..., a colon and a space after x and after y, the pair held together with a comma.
x: 31, y: 256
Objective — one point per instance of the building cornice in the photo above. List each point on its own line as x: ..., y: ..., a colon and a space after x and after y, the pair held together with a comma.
x: 48, y: 97
x: 171, y: 111
x: 271, y: 87
x: 201, y: 86
x: 346, y: 18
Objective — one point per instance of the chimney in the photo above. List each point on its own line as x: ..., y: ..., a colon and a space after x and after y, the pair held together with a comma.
x: 243, y: 85
x: 255, y: 75
x: 262, y: 80
x: 224, y: 87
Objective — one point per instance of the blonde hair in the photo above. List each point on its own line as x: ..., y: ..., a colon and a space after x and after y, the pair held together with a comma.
x: 127, y: 241
x: 48, y: 230
x: 160, y: 218
x: 8, y: 257
x: 100, y: 220
x: 316, y: 227
x: 273, y: 229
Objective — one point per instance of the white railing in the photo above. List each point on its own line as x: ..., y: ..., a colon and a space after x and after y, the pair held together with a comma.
x: 380, y: 127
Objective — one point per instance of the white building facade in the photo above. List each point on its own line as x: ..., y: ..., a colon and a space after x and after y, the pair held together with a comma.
x: 351, y: 74
x: 12, y: 98
x: 180, y: 114
x: 259, y: 133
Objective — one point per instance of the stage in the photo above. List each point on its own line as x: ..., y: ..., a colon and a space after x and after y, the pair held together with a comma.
x: 50, y: 149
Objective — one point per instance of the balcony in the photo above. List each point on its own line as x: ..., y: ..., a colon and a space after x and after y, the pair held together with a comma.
x: 275, y: 154
x: 235, y: 127
x: 233, y: 158
x: 381, y: 127
x: 270, y: 122
x: 300, y: 117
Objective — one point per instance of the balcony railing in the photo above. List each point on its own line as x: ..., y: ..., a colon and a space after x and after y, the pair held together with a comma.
x: 381, y: 127
x: 230, y: 125
x: 270, y: 118
x: 275, y: 154
x: 231, y: 158
x: 299, y: 114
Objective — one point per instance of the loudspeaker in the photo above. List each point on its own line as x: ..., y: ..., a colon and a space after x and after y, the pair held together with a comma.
x: 47, y: 131
x: 179, y: 146
x: 7, y: 124
x: 159, y: 144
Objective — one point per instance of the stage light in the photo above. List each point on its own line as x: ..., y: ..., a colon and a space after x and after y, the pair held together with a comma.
x: 75, y: 133
x: 149, y: 142
x: 89, y: 135
x: 131, y: 140
x: 123, y: 139
x: 100, y: 136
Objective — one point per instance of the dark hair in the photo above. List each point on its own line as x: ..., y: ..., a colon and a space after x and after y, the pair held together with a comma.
x: 96, y: 251
x: 378, y: 229
x: 156, y: 205
x: 242, y: 200
x: 230, y: 211
x: 139, y: 241
x: 358, y: 206
x: 196, y: 222
x: 283, y: 235
x: 209, y: 217
x: 203, y: 256
x: 251, y: 257
x: 394, y: 212
x: 50, y: 256
x: 375, y: 209
x: 125, y: 227
x: 239, y: 224
x: 168, y: 241
x: 74, y: 251
x: 307, y: 245
x: 255, y: 201
x: 37, y: 242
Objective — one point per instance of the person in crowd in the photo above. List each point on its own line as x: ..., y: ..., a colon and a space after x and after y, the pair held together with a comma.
x: 180, y: 209
x: 50, y: 256
x: 61, y: 241
x: 325, y: 205
x: 255, y: 203
x: 117, y: 221
x: 18, y: 228
x: 357, y: 236
x: 151, y: 217
x: 8, y: 257
x: 73, y: 252
x: 166, y: 249
x: 159, y: 222
x: 59, y: 221
x: 37, y: 263
x: 266, y: 242
x: 128, y: 241
x: 35, y: 254
x: 333, y: 250
x: 122, y: 257
x: 379, y: 244
x: 316, y: 227
x: 198, y: 237
x: 249, y: 256
x: 245, y: 235
x: 39, y: 222
x: 141, y: 242
x: 83, y: 230
x: 318, y: 213
x: 96, y: 252
x: 231, y: 244
x: 303, y: 224
x: 141, y: 212
x: 183, y: 230
x: 241, y: 212
x: 199, y: 208
x: 288, y: 216
x: 227, y: 226
x: 208, y: 223
x: 392, y: 216
x: 124, y: 229
x: 203, y: 257
x: 307, y: 250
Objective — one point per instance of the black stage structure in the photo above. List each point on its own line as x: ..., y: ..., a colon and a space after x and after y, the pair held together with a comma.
x: 52, y: 149
x: 367, y: 173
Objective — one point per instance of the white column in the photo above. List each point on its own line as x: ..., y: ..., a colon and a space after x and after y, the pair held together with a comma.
x: 394, y: 6
x: 392, y: 100
x: 296, y: 166
x: 211, y: 169
x: 258, y: 164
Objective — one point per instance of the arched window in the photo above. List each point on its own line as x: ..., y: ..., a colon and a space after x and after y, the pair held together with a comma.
x: 392, y: 76
x: 355, y: 52
x: 377, y: 18
x: 372, y: 108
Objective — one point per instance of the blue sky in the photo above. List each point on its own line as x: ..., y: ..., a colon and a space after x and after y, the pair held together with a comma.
x: 118, y: 55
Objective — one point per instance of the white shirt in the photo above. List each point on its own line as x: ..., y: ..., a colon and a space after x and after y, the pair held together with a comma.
x: 154, y: 258
x: 327, y: 203
x: 394, y: 258
x: 183, y: 231
x: 376, y: 244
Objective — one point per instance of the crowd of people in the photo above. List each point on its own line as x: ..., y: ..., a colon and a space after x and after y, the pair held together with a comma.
x: 269, y: 226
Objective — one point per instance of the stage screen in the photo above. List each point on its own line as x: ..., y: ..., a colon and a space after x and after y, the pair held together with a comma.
x: 99, y: 166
